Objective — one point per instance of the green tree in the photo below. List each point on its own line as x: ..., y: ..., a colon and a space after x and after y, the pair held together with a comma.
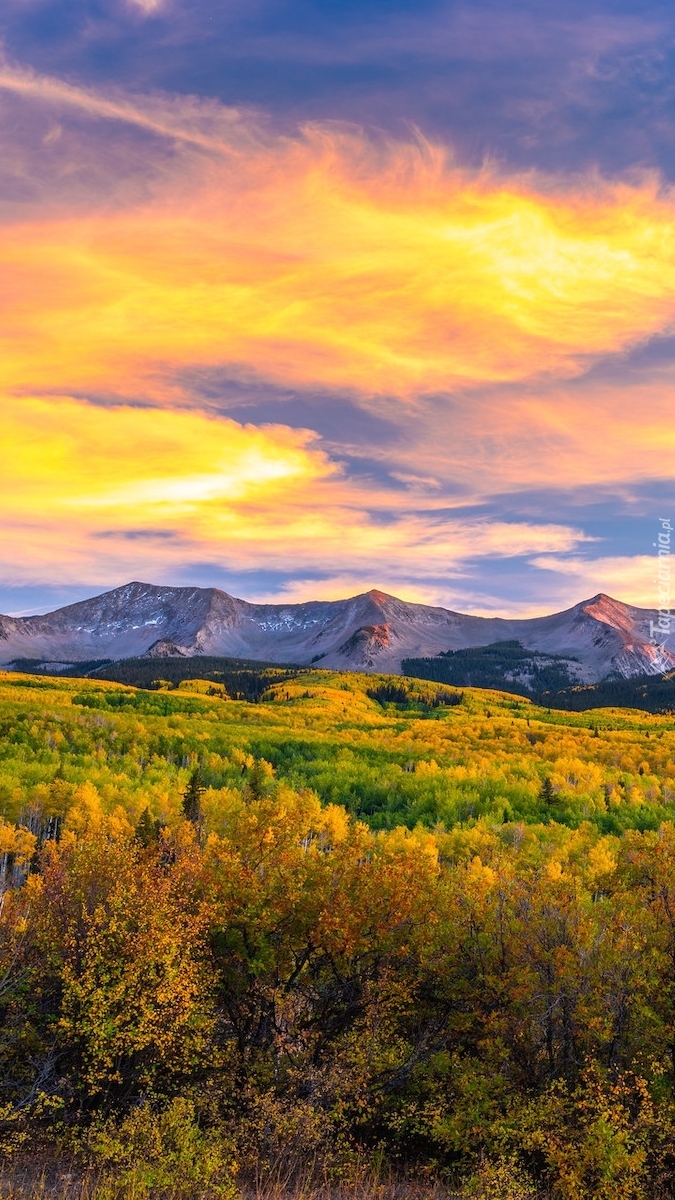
x: 260, y: 780
x: 547, y: 793
x: 192, y: 800
x: 147, y: 830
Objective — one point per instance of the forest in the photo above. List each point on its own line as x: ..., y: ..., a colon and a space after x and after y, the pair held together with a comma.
x: 365, y: 928
x: 547, y: 678
x: 240, y: 679
x: 501, y: 664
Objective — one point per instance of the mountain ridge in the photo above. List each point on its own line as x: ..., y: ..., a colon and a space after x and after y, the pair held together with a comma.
x: 600, y: 637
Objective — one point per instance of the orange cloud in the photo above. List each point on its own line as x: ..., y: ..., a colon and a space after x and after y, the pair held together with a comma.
x: 574, y: 438
x: 74, y: 457
x: 633, y: 576
x: 327, y: 259
x: 103, y: 494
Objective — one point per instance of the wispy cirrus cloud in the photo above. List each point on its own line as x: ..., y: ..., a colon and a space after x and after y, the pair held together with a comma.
x: 560, y: 87
x: 335, y: 260
x: 207, y: 125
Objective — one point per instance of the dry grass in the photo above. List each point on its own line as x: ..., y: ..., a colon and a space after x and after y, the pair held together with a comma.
x: 45, y: 1178
x: 364, y: 1189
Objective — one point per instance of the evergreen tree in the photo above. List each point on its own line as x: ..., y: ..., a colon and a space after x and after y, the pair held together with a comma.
x: 259, y: 780
x: 147, y: 830
x: 192, y: 799
x: 547, y: 793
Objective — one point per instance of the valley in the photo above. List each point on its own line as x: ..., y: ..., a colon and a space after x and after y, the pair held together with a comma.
x: 432, y: 756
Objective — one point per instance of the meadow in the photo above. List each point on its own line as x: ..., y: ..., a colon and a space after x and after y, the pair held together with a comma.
x: 364, y: 929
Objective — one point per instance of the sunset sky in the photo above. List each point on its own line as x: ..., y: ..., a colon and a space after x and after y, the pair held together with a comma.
x: 303, y: 298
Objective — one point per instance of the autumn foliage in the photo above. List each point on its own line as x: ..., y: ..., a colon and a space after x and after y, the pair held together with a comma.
x: 255, y: 980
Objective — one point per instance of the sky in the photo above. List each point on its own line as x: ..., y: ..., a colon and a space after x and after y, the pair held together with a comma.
x: 301, y: 299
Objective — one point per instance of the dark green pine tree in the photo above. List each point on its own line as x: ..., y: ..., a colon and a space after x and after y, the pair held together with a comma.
x: 192, y: 799
x: 547, y: 794
x: 259, y: 780
x: 147, y: 830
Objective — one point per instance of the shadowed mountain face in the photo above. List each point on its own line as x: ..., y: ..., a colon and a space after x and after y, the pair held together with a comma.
x: 371, y: 632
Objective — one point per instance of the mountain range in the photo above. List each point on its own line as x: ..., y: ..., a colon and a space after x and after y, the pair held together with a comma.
x: 600, y: 638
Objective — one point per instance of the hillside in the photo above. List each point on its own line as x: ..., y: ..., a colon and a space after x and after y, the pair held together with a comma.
x: 544, y: 678
x: 392, y: 750
x: 368, y: 927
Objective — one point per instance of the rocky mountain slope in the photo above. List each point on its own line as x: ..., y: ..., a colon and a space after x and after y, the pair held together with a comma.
x: 370, y: 632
